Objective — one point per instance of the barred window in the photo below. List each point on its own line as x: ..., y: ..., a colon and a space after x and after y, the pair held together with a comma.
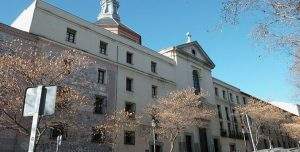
x: 103, y: 47
x: 71, y: 35
x: 129, y: 138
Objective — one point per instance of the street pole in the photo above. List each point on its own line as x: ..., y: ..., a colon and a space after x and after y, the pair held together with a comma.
x: 250, y: 131
x: 58, y: 140
x: 35, y: 120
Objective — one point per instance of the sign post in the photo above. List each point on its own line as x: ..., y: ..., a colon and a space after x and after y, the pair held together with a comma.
x: 35, y: 119
x: 58, y: 140
x: 39, y: 101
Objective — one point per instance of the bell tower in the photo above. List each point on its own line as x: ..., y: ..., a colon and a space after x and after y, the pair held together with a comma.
x: 109, y: 9
x: 109, y: 19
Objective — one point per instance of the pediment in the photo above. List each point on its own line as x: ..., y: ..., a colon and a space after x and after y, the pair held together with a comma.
x: 195, y: 51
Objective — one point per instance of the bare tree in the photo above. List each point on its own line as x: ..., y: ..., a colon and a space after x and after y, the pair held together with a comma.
x: 29, y: 63
x: 293, y: 128
x: 264, y: 119
x: 178, y: 112
x: 277, y: 21
x: 276, y: 26
x: 109, y: 131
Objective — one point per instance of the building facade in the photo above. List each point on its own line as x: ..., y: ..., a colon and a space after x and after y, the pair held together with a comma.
x: 139, y: 75
x: 290, y: 107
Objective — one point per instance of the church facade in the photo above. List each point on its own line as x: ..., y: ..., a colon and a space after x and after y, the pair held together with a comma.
x: 142, y: 75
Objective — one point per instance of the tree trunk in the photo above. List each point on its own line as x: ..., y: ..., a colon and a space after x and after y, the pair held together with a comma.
x: 270, y: 143
x: 172, y: 146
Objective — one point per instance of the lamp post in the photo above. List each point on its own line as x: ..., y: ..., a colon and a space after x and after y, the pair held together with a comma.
x: 153, y: 124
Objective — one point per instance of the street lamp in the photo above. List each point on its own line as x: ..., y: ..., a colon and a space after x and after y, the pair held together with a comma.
x: 153, y: 124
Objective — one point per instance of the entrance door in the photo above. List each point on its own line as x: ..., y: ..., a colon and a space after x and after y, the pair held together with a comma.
x: 217, y: 145
x: 188, y: 143
x: 203, y: 140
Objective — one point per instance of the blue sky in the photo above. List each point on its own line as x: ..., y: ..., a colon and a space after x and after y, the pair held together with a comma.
x: 164, y: 23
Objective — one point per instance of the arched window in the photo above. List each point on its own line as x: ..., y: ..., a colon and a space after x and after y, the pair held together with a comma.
x: 196, y: 81
x: 194, y: 52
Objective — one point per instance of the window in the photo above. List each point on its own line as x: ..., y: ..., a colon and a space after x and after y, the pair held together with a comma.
x: 229, y: 126
x: 154, y: 91
x: 129, y: 84
x: 130, y: 108
x: 100, y: 105
x: 219, y: 111
x: 71, y: 35
x: 216, y: 91
x: 217, y: 145
x: 234, y: 116
x: 232, y: 148
x: 238, y: 99
x: 224, y: 94
x: 129, y: 138
x: 194, y: 52
x: 188, y: 143
x: 153, y: 66
x: 227, y: 113
x: 98, y: 135
x: 230, y: 97
x: 101, y: 76
x: 103, y: 47
x: 196, y: 81
x: 58, y: 130
x: 129, y: 57
x: 236, y: 128
x: 221, y: 125
x: 244, y: 100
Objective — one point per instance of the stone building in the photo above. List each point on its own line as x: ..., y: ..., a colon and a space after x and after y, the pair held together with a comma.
x: 138, y: 75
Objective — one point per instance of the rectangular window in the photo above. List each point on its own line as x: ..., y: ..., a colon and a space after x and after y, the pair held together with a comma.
x: 153, y: 67
x: 227, y: 113
x: 103, y: 47
x: 219, y: 111
x: 244, y: 100
x: 100, y: 105
x: 71, y: 35
x: 98, y: 135
x: 230, y: 97
x: 238, y: 99
x: 216, y: 91
x: 229, y: 127
x: 129, y: 84
x: 130, y: 108
x: 101, y: 76
x: 224, y: 94
x: 129, y: 138
x: 154, y: 91
x: 232, y: 148
x: 129, y: 57
x: 221, y: 125
x: 234, y: 116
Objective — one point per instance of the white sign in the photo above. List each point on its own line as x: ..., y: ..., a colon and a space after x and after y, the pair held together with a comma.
x: 47, y: 105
